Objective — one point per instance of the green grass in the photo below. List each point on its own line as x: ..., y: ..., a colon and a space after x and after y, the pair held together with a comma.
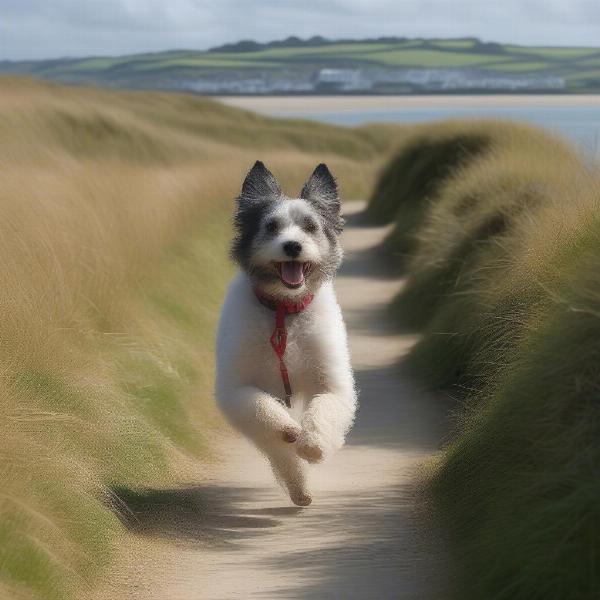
x: 518, y: 67
x: 115, y: 216
x: 462, y: 44
x: 428, y: 58
x: 333, y: 49
x: 553, y: 53
x: 204, y: 61
x: 503, y: 284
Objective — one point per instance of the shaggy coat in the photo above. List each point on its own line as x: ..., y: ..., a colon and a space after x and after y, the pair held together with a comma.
x: 287, y: 248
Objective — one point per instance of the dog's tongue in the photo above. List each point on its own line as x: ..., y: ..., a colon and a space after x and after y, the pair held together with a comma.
x: 292, y: 273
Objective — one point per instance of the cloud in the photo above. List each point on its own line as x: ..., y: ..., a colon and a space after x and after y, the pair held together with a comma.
x: 42, y: 29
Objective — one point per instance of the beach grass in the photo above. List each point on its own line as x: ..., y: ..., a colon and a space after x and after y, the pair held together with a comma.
x: 502, y: 282
x: 115, y: 214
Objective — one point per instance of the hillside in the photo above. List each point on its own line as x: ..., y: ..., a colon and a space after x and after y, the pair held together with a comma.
x: 317, y: 65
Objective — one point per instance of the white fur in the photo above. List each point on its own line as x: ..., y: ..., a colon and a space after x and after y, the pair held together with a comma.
x: 288, y: 215
x: 249, y: 386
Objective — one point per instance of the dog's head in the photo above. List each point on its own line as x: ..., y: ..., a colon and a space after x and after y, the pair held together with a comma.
x: 288, y: 246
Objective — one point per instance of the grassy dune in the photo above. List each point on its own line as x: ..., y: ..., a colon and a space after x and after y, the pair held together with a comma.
x: 114, y: 225
x: 501, y: 251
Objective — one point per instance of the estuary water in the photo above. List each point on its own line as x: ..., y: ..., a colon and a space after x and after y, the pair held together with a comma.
x: 574, y: 117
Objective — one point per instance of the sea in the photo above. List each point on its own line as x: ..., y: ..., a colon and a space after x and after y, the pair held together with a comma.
x: 577, y: 121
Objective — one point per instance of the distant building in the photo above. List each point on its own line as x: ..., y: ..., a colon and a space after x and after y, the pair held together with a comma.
x: 375, y: 79
x: 467, y: 79
x: 246, y: 85
x: 344, y: 80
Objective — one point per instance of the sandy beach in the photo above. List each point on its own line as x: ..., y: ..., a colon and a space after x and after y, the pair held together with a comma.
x: 350, y: 104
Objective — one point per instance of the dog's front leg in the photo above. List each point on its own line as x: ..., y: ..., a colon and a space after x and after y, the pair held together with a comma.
x: 325, y: 422
x: 329, y: 414
x: 258, y: 415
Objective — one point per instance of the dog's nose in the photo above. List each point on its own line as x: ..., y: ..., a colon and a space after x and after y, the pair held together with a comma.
x: 292, y: 249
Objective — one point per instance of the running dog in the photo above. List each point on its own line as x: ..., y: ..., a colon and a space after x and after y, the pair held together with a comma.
x: 283, y: 368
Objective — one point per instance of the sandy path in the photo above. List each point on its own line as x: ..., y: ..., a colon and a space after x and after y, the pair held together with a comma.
x: 237, y: 536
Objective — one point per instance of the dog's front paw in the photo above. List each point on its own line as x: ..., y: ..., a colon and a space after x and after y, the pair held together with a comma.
x: 290, y: 433
x: 309, y: 450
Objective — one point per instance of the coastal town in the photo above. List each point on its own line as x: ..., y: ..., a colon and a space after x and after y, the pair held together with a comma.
x: 370, y: 80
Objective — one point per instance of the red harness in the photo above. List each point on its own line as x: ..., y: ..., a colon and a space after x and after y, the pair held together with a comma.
x: 279, y: 337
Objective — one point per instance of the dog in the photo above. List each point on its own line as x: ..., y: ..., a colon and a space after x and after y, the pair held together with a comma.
x: 284, y: 377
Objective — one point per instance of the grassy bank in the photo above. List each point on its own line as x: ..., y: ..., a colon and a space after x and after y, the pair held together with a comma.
x: 114, y: 226
x: 501, y: 254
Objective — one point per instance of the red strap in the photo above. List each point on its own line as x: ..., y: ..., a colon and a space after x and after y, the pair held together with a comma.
x: 279, y: 342
x: 279, y: 337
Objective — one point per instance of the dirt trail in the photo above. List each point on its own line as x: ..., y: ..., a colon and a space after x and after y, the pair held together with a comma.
x: 236, y: 536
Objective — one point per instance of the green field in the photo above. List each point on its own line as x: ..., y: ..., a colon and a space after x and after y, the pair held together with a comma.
x: 578, y: 66
x: 414, y: 57
x: 557, y: 53
x: 520, y: 67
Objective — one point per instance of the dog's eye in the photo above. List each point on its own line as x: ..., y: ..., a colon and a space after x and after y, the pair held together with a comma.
x: 309, y: 225
x: 272, y: 226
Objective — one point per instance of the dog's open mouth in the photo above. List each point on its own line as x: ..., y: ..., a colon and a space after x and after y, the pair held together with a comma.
x: 293, y: 273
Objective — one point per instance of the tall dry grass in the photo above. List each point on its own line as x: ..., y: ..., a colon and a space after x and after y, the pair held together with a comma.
x: 426, y: 161
x: 114, y: 227
x: 502, y: 282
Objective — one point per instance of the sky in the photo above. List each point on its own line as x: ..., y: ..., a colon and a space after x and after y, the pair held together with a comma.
x: 34, y: 29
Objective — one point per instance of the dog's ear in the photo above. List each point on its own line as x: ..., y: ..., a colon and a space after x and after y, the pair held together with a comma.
x: 320, y: 187
x: 321, y: 191
x: 260, y: 184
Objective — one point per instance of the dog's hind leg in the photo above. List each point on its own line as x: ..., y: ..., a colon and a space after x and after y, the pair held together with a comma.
x: 291, y: 472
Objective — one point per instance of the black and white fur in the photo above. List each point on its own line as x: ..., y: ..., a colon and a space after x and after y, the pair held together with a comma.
x: 272, y: 229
